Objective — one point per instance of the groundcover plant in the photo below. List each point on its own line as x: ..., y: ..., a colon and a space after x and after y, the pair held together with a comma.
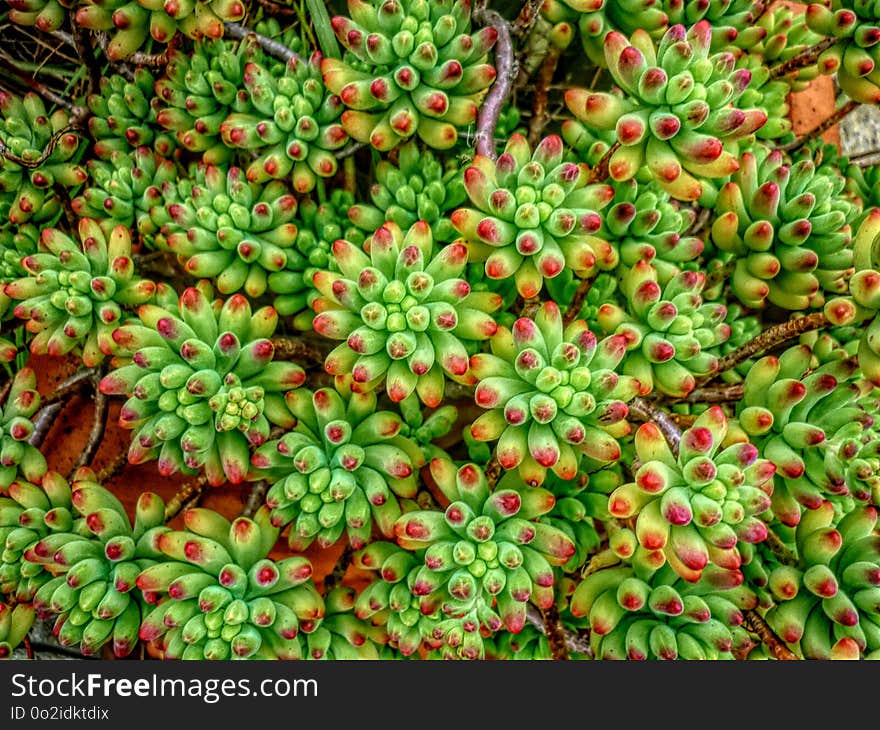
x: 435, y: 329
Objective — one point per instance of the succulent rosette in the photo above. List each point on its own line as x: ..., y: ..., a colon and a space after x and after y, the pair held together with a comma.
x: 132, y: 25
x: 202, y: 384
x: 734, y: 22
x: 27, y: 128
x: 341, y: 635
x: 670, y: 331
x: 552, y: 394
x: 124, y: 116
x: 234, y: 232
x: 534, y: 216
x: 407, y: 316
x: 342, y: 465
x: 410, y: 67
x: 32, y: 515
x: 806, y: 418
x: 76, y: 292
x: 127, y: 189
x: 217, y: 595
x: 669, y: 119
x: 418, y: 188
x: 293, y: 129
x: 855, y: 55
x: 661, y: 616
x: 790, y: 235
x: 697, y: 505
x: 826, y: 596
x: 95, y: 563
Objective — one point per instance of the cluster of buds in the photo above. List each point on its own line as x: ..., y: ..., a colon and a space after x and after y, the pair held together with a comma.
x: 341, y: 635
x: 127, y: 189
x: 410, y: 67
x: 788, y: 228
x: 343, y: 465
x: 534, y: 216
x: 693, y: 508
x: 293, y: 129
x: 132, y: 25
x: 657, y: 615
x: 676, y: 117
x: 75, y: 293
x: 44, y: 15
x: 670, y: 331
x: 49, y: 145
x: 552, y: 395
x: 855, y: 56
x: 237, y: 234
x: 124, y: 116
x: 826, y: 603
x: 15, y: 623
x: 807, y: 421
x: 201, y: 382
x: 218, y: 595
x: 407, y: 317
x: 92, y: 592
x: 28, y: 515
x: 418, y: 188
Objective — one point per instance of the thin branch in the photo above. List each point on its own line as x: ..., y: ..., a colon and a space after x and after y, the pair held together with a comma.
x: 724, y: 393
x: 272, y: 47
x: 577, y: 642
x: 646, y: 411
x: 50, y: 147
x: 69, y: 386
x: 783, y: 554
x: 719, y: 275
x: 555, y: 634
x: 772, y: 336
x: 349, y: 150
x: 803, y: 59
x: 577, y: 301
x: 599, y: 173
x: 335, y: 576
x: 99, y: 424
x: 820, y: 129
x: 113, y: 467
x: 755, y: 623
x: 540, y: 117
x: 138, y: 58
x: 529, y: 13
x: 186, y: 493
x: 43, y: 422
x: 256, y: 498
x: 28, y: 647
x: 82, y: 41
x: 290, y: 348
x: 505, y: 65
x: 276, y: 9
x: 27, y: 79
x: 493, y: 471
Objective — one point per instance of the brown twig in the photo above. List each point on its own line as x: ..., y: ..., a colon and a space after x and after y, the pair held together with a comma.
x: 276, y: 9
x: 335, y: 576
x: 803, y: 59
x: 754, y: 622
x: 783, y: 554
x: 724, y: 393
x: 816, y: 131
x: 99, y: 424
x: 349, y: 150
x: 113, y: 467
x: 505, y: 65
x: 138, y: 58
x: 539, y: 116
x: 28, y: 647
x: 646, y: 411
x: 296, y: 348
x: 577, y: 642
x: 599, y: 173
x: 272, y: 47
x: 555, y: 634
x: 4, y: 393
x: 85, y: 49
x: 256, y: 498
x: 529, y: 307
x: 69, y: 386
x: 186, y: 493
x: 493, y: 471
x: 577, y: 301
x: 50, y: 147
x: 770, y: 337
x: 27, y: 79
x: 719, y: 275
x: 529, y: 13
x: 43, y: 422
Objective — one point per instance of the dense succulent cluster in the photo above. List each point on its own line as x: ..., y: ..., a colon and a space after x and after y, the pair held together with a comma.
x: 533, y: 332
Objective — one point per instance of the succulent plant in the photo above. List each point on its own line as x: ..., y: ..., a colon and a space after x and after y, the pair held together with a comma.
x: 734, y: 22
x: 128, y: 190
x: 132, y: 25
x: 342, y: 465
x: 669, y: 120
x: 552, y: 394
x: 341, y: 635
x: 75, y: 292
x: 405, y: 313
x: 670, y: 331
x: 28, y: 133
x: 789, y: 235
x: 95, y: 564
x: 855, y: 55
x: 535, y: 215
x: 695, y: 506
x: 202, y: 385
x: 410, y: 67
x: 418, y: 188
x: 661, y: 616
x: 236, y: 233
x: 124, y: 116
x: 17, y: 456
x: 826, y: 602
x: 218, y: 595
x: 44, y: 15
x: 293, y: 128
x: 15, y: 623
